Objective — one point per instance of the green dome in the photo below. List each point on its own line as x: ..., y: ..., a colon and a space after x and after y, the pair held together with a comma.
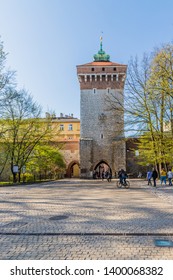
x: 101, y: 55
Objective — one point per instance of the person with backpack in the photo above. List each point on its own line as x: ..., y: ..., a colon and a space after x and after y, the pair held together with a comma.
x: 154, y: 176
x: 122, y: 175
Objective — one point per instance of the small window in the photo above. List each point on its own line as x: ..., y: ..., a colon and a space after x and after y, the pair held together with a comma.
x: 61, y: 127
x: 103, y: 69
x: 70, y: 127
x: 93, y: 77
x: 92, y: 69
x: 115, y: 68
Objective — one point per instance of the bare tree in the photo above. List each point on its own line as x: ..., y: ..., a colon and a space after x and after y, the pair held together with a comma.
x: 148, y: 103
x: 7, y: 83
x: 23, y: 128
x: 7, y: 77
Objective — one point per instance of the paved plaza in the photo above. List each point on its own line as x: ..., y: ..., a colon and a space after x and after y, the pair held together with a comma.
x: 85, y: 219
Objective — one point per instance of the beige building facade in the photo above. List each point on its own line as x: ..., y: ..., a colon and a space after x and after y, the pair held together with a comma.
x: 68, y: 136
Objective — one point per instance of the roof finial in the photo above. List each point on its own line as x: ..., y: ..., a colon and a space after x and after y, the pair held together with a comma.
x: 101, y: 55
x: 101, y: 39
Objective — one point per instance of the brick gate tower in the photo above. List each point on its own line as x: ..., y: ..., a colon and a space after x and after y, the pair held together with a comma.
x: 102, y: 144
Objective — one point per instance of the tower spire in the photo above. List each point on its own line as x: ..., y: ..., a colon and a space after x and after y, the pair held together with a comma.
x: 101, y: 39
x: 101, y: 55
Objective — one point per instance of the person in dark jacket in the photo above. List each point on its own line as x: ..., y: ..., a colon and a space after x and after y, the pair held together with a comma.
x: 154, y: 176
x: 122, y: 175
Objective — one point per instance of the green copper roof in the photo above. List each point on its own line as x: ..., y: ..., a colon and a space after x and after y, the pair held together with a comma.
x: 101, y: 55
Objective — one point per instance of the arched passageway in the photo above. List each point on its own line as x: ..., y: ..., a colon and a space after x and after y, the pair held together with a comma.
x: 73, y: 170
x: 100, y: 168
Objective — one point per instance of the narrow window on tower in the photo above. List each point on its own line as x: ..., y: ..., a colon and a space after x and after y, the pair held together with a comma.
x: 101, y: 136
x: 114, y: 77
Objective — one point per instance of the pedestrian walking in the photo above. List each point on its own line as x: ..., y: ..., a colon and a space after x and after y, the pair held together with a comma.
x: 109, y: 176
x: 154, y: 176
x: 149, y: 176
x: 170, y: 176
x: 163, y: 176
x: 103, y: 175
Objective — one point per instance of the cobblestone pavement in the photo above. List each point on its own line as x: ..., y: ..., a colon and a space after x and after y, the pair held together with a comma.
x: 81, y: 219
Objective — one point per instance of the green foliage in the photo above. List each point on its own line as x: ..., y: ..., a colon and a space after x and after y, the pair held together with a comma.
x: 46, y: 159
x: 28, y: 177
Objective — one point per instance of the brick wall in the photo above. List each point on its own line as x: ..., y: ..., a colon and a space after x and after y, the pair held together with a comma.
x: 101, y: 128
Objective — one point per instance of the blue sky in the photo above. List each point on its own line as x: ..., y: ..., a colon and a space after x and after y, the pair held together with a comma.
x: 46, y: 39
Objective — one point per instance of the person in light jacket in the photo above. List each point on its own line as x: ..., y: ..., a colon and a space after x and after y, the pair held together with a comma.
x: 170, y: 176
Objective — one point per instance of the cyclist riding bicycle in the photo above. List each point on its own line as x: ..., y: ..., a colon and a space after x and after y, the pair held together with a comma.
x: 122, y: 175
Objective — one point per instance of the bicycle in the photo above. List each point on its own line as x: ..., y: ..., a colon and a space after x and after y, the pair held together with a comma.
x: 124, y: 183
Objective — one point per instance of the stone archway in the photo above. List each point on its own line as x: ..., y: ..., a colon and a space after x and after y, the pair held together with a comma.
x: 73, y: 169
x: 101, y: 166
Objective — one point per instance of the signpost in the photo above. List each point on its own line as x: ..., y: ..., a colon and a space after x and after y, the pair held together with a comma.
x: 15, y: 169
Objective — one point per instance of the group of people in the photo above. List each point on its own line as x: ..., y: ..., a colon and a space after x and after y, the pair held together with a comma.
x: 103, y: 175
x: 106, y: 175
x: 163, y: 176
x: 122, y: 175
